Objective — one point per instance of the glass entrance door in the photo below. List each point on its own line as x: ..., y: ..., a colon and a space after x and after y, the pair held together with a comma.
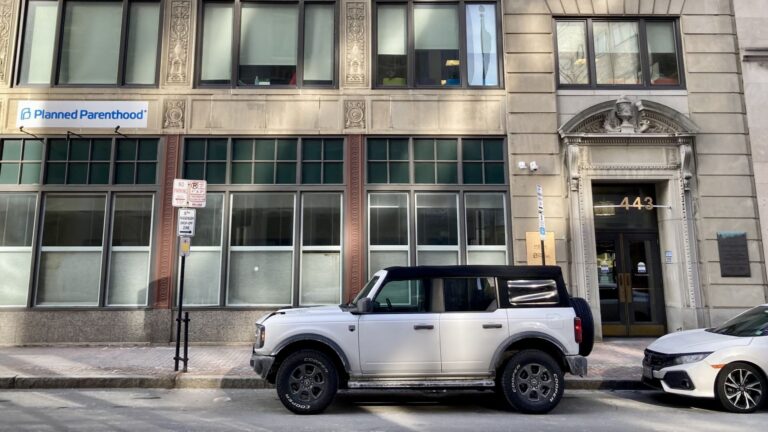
x: 629, y: 281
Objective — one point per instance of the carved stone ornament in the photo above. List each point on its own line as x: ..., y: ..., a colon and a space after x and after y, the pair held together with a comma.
x: 627, y: 117
x: 7, y: 17
x: 354, y: 114
x: 178, y: 46
x: 356, y: 58
x: 174, y: 114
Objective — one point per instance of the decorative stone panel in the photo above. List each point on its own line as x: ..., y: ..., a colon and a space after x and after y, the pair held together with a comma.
x: 354, y: 228
x: 354, y: 114
x: 356, y: 45
x: 173, y: 117
x: 7, y: 26
x: 166, y: 239
x: 180, y: 31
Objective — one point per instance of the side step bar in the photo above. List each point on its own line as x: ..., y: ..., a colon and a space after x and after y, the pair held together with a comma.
x: 396, y: 384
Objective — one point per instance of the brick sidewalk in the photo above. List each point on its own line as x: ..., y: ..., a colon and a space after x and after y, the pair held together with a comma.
x: 614, y: 363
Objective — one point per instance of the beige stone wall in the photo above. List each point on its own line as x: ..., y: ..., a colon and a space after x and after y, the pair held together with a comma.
x: 751, y: 22
x: 723, y: 189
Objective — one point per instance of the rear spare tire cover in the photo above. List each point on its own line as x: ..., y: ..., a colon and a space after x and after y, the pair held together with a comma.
x: 583, y: 311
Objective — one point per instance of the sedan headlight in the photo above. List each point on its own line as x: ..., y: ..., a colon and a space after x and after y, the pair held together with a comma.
x: 261, y: 334
x: 689, y: 358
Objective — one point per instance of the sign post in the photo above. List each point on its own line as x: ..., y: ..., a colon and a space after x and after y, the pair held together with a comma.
x: 542, y: 227
x: 186, y: 194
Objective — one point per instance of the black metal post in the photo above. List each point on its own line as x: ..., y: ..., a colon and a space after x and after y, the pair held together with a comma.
x: 543, y: 254
x: 178, y: 319
x: 186, y: 340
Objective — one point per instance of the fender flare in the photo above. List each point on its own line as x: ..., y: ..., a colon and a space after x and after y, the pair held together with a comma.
x: 314, y: 338
x: 496, y: 359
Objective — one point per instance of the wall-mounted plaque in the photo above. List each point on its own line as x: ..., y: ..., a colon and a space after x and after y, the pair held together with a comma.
x: 533, y: 248
x: 734, y: 255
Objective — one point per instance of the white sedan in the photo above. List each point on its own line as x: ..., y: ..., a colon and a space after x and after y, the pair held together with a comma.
x: 729, y: 362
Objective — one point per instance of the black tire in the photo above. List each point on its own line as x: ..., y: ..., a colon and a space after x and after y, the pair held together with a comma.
x: 735, y: 382
x: 583, y: 311
x: 532, y: 382
x: 306, y: 382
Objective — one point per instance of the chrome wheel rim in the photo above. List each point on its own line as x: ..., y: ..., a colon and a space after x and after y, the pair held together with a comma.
x: 534, y: 382
x: 743, y: 389
x: 307, y: 382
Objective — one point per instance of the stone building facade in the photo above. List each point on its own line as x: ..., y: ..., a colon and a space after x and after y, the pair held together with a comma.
x: 378, y: 133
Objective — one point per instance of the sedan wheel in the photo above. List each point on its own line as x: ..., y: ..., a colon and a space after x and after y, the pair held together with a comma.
x: 740, y: 388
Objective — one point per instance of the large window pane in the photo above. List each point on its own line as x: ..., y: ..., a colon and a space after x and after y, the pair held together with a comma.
x: 260, y: 277
x: 318, y: 44
x: 90, y: 48
x: 17, y: 213
x: 39, y: 40
x: 436, y: 218
x: 321, y: 249
x: 129, y: 257
x: 215, y: 66
x: 70, y: 259
x: 391, y: 41
x: 143, y: 30
x: 482, y: 57
x: 73, y: 221
x: 388, y: 221
x: 436, y: 38
x: 202, y: 275
x: 662, y: 53
x: 262, y: 220
x: 268, y: 44
x: 617, y: 53
x: 485, y: 220
x: 572, y: 52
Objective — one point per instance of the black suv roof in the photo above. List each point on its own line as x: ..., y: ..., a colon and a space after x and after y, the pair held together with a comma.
x: 395, y: 273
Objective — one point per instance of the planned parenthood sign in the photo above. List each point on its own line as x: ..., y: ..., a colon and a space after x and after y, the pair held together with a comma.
x: 82, y: 114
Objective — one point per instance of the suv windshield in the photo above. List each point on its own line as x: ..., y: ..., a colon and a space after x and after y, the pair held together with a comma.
x: 366, y: 289
x: 753, y: 322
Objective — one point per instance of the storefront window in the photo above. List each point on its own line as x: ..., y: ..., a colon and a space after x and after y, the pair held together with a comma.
x: 202, y: 274
x: 129, y: 257
x: 437, y: 229
x: 387, y: 231
x: 97, y: 46
x: 17, y: 216
x: 321, y: 249
x: 72, y: 244
x: 486, y: 228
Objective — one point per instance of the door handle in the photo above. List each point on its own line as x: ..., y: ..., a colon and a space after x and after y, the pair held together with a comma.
x: 423, y: 327
x: 491, y: 326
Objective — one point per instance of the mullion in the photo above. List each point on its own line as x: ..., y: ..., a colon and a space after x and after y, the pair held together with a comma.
x: 55, y: 64
x: 121, y: 60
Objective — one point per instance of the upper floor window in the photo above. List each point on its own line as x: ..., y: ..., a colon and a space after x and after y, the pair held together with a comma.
x: 81, y: 42
x: 427, y: 44
x: 626, y: 53
x: 281, y: 43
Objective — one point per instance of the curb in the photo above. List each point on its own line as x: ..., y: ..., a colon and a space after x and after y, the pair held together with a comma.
x: 184, y: 381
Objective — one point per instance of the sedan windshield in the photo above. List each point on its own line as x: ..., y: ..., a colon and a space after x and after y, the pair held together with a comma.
x: 753, y: 322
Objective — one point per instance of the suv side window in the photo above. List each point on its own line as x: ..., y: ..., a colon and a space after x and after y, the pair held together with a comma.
x: 403, y: 296
x: 530, y: 292
x: 470, y: 294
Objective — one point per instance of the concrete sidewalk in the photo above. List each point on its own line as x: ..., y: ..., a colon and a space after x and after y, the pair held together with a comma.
x: 614, y: 364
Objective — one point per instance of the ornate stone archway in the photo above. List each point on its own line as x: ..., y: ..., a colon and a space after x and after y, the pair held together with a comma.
x: 635, y: 141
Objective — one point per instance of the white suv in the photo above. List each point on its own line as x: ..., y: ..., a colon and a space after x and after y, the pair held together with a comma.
x: 513, y: 329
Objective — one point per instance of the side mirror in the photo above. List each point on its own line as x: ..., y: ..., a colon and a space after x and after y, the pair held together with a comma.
x: 364, y: 306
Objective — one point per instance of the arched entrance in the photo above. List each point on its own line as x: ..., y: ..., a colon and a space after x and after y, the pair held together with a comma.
x: 632, y: 237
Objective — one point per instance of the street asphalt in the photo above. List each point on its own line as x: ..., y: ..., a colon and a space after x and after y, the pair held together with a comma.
x: 259, y: 410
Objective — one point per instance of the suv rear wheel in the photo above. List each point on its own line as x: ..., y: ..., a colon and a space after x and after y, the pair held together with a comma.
x: 306, y: 382
x: 532, y: 382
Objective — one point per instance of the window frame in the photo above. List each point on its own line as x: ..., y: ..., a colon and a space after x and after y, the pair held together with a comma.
x: 32, y: 249
x: 643, y: 53
x: 42, y: 190
x: 58, y: 40
x: 410, y: 190
x: 297, y: 189
x: 234, y: 73
x: 411, y: 48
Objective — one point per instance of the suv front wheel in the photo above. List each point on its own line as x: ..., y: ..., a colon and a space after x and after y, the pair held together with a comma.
x: 532, y: 382
x: 306, y: 382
